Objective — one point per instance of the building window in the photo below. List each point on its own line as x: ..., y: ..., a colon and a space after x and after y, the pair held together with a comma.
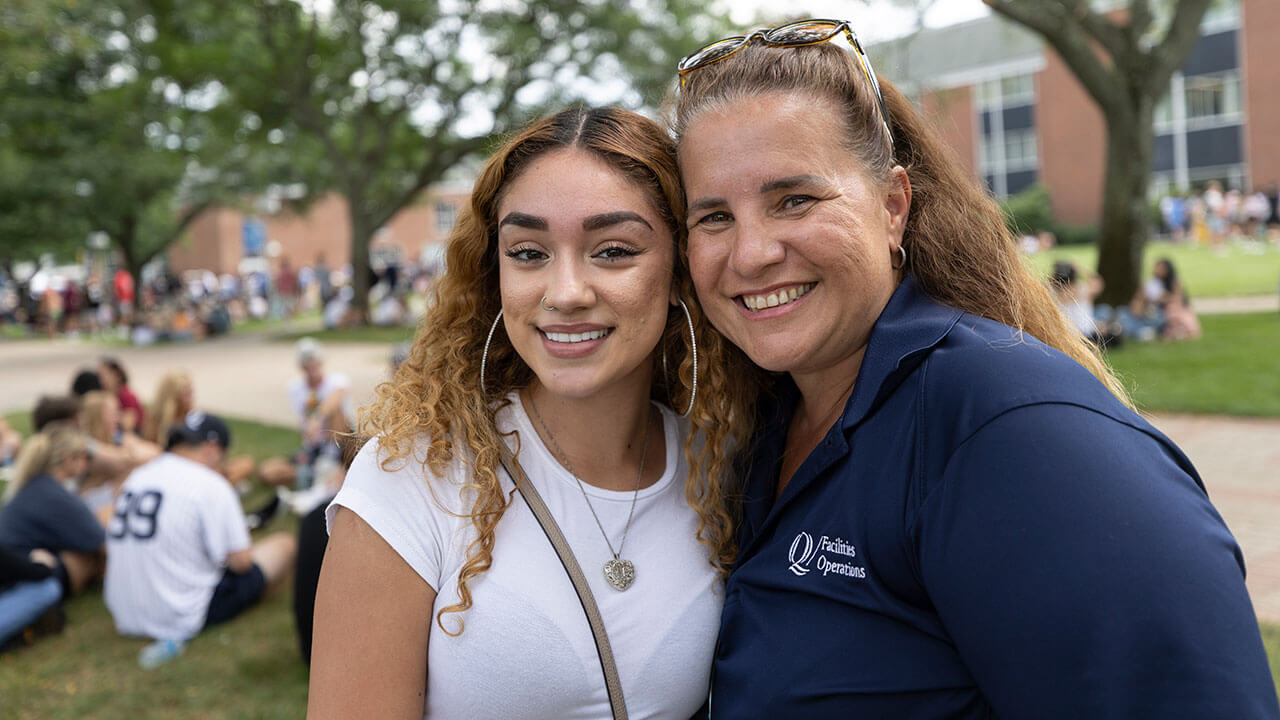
x: 446, y: 216
x: 1017, y: 90
x: 1213, y: 98
x: 1007, y: 91
x: 1008, y: 156
x: 1020, y: 150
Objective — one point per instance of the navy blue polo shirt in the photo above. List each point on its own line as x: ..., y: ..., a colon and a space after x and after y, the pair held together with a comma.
x: 985, y: 532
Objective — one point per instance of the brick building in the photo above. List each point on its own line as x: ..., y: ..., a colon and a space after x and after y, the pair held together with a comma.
x: 222, y: 238
x: 1015, y: 113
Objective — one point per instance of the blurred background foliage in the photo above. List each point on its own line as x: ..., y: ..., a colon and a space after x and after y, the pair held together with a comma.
x: 130, y: 117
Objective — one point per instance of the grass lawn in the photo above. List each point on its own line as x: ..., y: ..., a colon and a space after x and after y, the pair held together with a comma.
x: 1271, y: 639
x: 1238, y: 271
x: 249, y: 667
x: 1231, y: 370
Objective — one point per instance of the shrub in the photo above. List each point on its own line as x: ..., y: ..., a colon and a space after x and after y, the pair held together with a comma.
x: 1031, y: 212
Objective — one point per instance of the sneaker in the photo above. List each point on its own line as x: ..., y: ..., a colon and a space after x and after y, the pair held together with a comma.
x: 263, y: 515
x: 160, y: 652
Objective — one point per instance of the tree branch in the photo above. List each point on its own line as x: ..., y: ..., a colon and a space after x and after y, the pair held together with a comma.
x: 1183, y: 32
x: 1139, y: 18
x: 1106, y: 33
x: 1065, y: 33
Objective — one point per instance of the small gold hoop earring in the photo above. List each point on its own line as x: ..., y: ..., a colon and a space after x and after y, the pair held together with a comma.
x: 902, y: 258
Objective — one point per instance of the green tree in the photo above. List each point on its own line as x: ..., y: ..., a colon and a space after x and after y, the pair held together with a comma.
x: 1124, y: 60
x: 102, y: 135
x: 37, y: 91
x: 396, y: 93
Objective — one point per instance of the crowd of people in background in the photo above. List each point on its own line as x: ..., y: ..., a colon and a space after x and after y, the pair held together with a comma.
x: 1216, y: 217
x: 145, y: 500
x: 1161, y: 308
x: 93, y: 299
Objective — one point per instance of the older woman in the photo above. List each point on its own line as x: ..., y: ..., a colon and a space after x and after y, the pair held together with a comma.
x: 561, y: 331
x: 951, y: 510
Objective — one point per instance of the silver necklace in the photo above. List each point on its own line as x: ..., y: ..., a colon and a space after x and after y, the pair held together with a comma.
x: 620, y: 573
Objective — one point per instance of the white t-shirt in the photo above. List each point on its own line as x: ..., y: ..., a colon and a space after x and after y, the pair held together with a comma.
x: 527, y: 649
x: 304, y: 400
x: 176, y: 522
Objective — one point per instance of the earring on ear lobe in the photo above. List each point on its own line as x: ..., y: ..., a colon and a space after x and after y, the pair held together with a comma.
x: 902, y: 257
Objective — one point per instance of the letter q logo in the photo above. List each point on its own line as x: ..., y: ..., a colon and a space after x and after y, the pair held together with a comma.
x: 801, y: 553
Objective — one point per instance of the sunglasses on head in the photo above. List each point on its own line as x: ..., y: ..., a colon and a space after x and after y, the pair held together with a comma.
x: 796, y: 34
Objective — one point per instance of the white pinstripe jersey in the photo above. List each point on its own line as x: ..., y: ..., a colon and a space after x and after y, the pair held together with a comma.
x: 175, y: 523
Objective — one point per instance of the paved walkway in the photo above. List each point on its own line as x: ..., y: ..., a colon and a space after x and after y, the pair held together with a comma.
x: 1246, y: 303
x: 1239, y: 459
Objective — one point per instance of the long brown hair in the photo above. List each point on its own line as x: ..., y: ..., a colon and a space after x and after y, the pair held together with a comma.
x: 436, y: 393
x: 961, y: 251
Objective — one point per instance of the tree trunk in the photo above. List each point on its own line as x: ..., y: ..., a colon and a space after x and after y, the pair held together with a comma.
x: 1125, y: 220
x: 361, y: 232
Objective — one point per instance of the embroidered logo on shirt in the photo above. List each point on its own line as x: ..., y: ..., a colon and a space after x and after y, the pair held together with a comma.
x: 801, y: 553
x: 804, y: 549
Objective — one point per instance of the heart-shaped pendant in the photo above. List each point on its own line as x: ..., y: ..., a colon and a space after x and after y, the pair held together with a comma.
x: 620, y: 573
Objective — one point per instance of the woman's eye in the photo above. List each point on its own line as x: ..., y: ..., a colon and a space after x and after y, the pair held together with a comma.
x: 794, y: 202
x: 616, y: 252
x: 525, y: 254
x: 715, y: 218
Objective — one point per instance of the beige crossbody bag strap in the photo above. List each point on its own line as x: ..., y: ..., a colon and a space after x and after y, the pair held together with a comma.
x: 549, y: 526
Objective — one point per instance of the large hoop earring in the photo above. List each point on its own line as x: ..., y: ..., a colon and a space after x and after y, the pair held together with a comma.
x: 484, y: 358
x: 693, y: 343
x: 902, y: 257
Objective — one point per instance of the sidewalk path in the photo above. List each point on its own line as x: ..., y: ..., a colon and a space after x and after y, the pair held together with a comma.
x: 1239, y: 459
x: 1244, y: 304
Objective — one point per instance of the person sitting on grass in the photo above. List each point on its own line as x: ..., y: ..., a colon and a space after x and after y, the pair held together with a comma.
x: 174, y: 398
x: 10, y: 443
x: 40, y: 513
x: 116, y: 381
x: 179, y: 554
x: 99, y: 417
x: 30, y: 597
x: 321, y: 404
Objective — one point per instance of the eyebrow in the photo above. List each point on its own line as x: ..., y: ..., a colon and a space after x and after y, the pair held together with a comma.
x: 604, y: 220
x: 706, y: 203
x: 785, y: 183
x: 594, y: 222
x: 520, y: 219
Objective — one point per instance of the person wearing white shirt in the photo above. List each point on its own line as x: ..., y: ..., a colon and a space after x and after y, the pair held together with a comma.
x: 565, y: 328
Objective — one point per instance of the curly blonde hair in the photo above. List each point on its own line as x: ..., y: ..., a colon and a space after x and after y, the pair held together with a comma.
x: 437, y: 395
x: 961, y: 251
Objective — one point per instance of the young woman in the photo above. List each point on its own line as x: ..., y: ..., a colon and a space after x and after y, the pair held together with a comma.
x: 951, y: 511
x: 175, y: 397
x: 41, y: 513
x: 100, y: 418
x: 116, y: 381
x: 563, y: 330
